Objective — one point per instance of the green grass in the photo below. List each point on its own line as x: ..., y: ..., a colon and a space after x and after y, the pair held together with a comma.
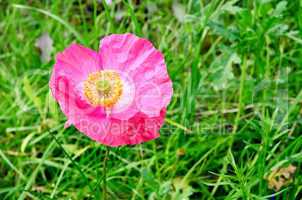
x: 235, y: 115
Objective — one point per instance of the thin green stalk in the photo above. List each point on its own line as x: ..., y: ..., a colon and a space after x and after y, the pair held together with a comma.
x: 72, y: 161
x: 110, y: 24
x: 82, y: 15
x: 136, y: 25
x: 240, y: 103
x: 105, y: 174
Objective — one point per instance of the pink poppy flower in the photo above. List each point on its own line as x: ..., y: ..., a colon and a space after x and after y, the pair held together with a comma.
x: 116, y: 96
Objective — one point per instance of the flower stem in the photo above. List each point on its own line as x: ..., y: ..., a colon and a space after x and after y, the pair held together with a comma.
x: 105, y: 173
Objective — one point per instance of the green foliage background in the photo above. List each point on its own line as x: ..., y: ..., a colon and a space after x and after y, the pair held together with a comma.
x: 235, y: 115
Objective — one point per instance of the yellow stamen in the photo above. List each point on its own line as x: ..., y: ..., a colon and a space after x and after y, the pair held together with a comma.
x: 103, y: 88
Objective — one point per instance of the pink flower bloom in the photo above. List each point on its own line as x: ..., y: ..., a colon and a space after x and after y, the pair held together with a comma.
x: 116, y: 96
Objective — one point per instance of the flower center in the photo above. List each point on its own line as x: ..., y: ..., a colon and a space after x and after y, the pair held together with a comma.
x: 103, y: 88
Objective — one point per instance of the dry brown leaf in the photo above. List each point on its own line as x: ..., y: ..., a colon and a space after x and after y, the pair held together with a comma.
x: 280, y: 177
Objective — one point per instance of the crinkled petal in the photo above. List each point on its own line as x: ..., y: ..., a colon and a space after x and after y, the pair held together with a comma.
x: 113, y: 132
x: 116, y: 50
x: 72, y: 67
x: 137, y: 59
x: 76, y: 62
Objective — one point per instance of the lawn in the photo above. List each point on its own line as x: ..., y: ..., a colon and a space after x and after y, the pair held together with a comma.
x: 233, y: 127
